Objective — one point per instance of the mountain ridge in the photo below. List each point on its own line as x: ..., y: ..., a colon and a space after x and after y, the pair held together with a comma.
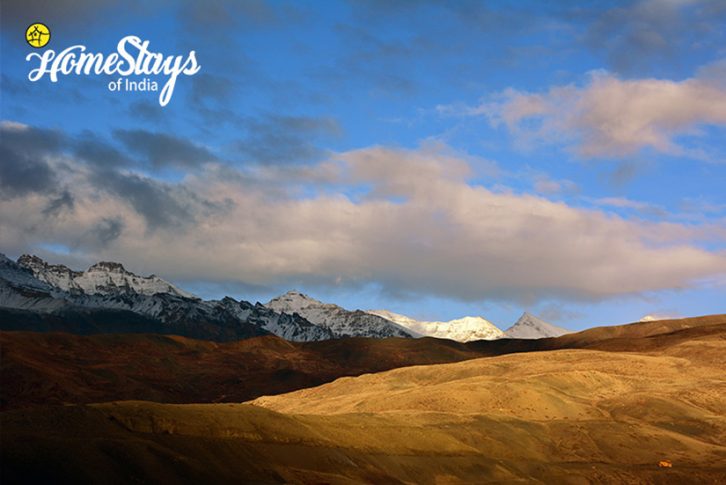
x: 464, y: 329
x: 103, y: 277
x: 342, y: 322
x: 34, y: 285
x: 35, y: 295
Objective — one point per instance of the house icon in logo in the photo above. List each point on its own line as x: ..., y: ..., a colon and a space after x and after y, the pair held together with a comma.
x: 37, y: 35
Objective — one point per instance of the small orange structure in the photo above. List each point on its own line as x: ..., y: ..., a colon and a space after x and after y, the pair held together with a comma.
x: 665, y: 464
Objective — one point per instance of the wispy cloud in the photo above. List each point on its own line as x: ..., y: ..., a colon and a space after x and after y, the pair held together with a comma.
x: 609, y: 116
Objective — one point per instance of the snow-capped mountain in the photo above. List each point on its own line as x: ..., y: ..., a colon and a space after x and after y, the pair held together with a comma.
x: 463, y: 329
x: 475, y: 328
x: 530, y: 327
x: 20, y: 289
x: 104, y: 278
x: 288, y: 326
x: 342, y: 322
x: 35, y: 295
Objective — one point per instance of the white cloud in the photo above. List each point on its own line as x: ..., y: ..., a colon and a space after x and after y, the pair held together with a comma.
x: 12, y: 125
x: 420, y: 227
x: 610, y: 116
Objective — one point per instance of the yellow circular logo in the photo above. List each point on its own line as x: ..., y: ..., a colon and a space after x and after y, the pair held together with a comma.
x: 37, y: 35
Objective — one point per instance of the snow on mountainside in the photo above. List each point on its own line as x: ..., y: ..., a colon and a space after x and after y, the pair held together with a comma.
x: 103, y: 278
x: 107, y: 298
x: 35, y: 295
x: 288, y: 326
x: 11, y: 272
x: 342, y: 322
x: 19, y: 289
x: 530, y: 327
x: 463, y: 329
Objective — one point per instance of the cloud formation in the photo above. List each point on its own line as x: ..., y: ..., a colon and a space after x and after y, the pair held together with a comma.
x: 637, y: 36
x: 408, y: 221
x: 161, y: 149
x: 23, y: 169
x: 613, y: 117
x: 285, y: 139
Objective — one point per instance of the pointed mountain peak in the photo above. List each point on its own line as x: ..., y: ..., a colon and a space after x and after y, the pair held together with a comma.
x: 528, y: 318
x: 292, y: 301
x: 531, y: 327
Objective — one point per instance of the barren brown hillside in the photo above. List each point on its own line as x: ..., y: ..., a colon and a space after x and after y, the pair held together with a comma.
x: 56, y: 368
x: 562, y: 416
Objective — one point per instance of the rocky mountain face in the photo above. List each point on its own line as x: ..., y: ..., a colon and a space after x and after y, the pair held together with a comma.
x: 104, y: 278
x: 342, y: 322
x: 529, y: 327
x: 35, y: 295
x: 288, y: 326
x: 464, y: 329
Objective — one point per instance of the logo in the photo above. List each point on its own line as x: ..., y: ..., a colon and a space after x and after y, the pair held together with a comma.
x: 135, y: 65
x: 37, y: 35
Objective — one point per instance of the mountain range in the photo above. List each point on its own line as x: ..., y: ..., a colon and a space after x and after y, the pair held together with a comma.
x: 340, y: 321
x: 107, y: 298
x: 467, y: 329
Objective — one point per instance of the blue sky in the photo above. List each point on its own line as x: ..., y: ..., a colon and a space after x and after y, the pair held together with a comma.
x: 437, y: 159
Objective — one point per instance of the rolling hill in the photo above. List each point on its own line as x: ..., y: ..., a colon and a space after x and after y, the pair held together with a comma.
x: 55, y: 368
x: 560, y: 416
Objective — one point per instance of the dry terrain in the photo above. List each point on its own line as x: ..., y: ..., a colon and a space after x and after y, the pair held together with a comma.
x: 58, y: 368
x: 653, y: 393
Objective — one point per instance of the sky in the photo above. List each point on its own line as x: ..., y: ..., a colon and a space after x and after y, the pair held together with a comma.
x: 436, y: 159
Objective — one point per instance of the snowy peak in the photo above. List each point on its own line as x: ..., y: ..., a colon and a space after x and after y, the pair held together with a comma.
x: 104, y: 278
x: 463, y: 329
x: 39, y: 267
x: 293, y: 302
x: 14, y: 274
x: 530, y: 327
x: 108, y: 298
x: 342, y: 322
x: 288, y: 326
